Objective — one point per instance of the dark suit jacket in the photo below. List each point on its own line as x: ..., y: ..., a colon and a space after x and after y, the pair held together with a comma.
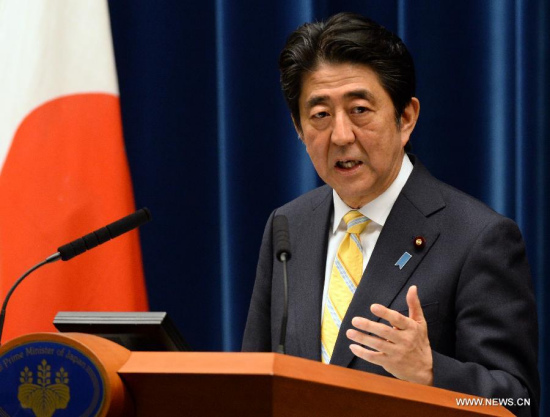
x: 473, y: 281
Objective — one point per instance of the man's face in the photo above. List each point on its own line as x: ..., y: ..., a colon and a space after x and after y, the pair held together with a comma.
x: 350, y: 132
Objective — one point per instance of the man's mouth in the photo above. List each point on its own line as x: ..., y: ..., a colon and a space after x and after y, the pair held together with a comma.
x: 348, y: 164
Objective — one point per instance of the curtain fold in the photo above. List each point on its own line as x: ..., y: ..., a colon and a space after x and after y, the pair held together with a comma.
x: 213, y: 151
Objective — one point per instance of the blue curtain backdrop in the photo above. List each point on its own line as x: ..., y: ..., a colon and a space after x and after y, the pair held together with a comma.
x: 213, y: 152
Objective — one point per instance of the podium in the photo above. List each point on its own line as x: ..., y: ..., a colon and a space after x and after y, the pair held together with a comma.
x: 146, y: 384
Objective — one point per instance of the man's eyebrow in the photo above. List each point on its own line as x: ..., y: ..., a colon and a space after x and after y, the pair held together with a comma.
x: 361, y: 93
x: 315, y: 100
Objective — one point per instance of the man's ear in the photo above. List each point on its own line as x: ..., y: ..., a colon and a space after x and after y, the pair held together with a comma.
x: 297, y: 127
x: 408, y: 119
x: 410, y: 116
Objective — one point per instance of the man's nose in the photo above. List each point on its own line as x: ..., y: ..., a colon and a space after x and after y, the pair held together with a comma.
x: 342, y: 130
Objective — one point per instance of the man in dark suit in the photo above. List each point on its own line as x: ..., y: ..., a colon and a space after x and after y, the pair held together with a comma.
x: 392, y: 271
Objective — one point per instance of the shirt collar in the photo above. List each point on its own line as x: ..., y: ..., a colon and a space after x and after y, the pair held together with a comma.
x: 378, y: 209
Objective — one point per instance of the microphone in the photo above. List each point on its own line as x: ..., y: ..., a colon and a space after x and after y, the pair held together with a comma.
x: 91, y: 240
x: 81, y: 245
x: 281, y: 239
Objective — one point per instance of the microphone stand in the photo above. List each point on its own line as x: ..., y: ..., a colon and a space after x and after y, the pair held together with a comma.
x: 281, y: 347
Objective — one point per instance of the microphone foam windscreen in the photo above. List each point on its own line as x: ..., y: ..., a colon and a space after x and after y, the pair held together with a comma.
x: 281, y: 236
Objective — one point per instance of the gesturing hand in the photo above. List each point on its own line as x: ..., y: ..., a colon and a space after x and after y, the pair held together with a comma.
x: 404, y: 349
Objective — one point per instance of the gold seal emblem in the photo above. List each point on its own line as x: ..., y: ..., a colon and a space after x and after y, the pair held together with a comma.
x: 44, y: 398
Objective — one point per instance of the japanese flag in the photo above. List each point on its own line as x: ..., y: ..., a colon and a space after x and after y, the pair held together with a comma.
x: 63, y: 166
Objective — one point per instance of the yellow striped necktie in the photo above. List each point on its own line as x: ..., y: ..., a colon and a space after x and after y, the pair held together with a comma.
x: 344, y: 279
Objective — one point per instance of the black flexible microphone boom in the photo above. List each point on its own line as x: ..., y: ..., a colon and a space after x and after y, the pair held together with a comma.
x: 81, y: 245
x: 281, y: 239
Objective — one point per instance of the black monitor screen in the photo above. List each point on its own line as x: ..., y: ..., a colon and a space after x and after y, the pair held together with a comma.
x: 136, y: 331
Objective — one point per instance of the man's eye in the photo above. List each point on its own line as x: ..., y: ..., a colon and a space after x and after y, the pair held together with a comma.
x: 359, y: 110
x: 320, y: 115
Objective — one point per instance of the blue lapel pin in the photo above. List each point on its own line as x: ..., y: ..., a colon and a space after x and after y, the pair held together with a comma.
x: 401, y: 262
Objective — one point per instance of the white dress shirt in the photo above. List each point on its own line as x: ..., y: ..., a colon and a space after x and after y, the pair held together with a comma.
x: 377, y: 210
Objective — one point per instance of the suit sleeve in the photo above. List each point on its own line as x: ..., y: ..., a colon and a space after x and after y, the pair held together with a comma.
x: 496, y: 323
x: 257, y: 333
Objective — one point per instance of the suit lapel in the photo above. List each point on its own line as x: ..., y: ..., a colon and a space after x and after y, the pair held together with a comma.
x: 309, y: 273
x: 383, y: 280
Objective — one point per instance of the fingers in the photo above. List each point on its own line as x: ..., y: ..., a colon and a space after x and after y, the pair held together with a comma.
x: 377, y: 336
x: 379, y: 329
x: 395, y: 318
x: 372, y: 342
x: 371, y: 356
x: 415, y: 308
